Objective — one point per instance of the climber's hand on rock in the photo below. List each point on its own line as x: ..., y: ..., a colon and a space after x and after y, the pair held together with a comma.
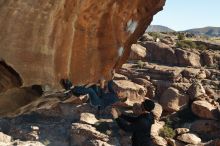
x: 119, y: 112
x: 114, y: 113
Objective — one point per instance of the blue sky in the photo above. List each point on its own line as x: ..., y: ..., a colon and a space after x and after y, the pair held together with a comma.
x: 186, y: 14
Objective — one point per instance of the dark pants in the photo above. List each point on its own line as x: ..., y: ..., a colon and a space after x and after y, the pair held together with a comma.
x: 81, y: 90
x: 110, y: 88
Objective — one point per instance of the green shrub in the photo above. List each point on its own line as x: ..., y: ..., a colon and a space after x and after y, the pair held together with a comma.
x: 181, y: 36
x: 204, y: 37
x: 186, y: 44
x: 155, y: 35
x: 180, y: 44
x: 140, y: 64
x: 167, y: 130
x: 202, y: 47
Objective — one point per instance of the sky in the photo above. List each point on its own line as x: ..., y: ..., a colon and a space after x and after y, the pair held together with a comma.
x: 187, y: 14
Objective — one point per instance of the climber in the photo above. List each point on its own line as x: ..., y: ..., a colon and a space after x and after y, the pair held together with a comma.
x: 100, y: 96
x: 92, y: 90
x: 139, y: 126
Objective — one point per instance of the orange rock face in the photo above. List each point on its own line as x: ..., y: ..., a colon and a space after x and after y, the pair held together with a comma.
x: 46, y: 40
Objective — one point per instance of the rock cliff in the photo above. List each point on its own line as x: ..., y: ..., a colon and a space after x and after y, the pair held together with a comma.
x: 46, y: 40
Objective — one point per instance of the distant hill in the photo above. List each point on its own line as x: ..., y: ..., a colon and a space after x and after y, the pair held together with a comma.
x: 159, y: 28
x: 209, y: 31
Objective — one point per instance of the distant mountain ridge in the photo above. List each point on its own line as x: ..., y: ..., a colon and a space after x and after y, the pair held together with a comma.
x: 159, y: 28
x: 209, y: 31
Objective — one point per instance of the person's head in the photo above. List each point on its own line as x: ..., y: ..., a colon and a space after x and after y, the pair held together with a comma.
x: 148, y: 105
x: 145, y: 106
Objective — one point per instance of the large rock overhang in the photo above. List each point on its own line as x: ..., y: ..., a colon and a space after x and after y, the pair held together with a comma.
x: 84, y: 40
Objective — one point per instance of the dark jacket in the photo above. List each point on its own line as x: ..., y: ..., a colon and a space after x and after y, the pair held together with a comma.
x: 140, y: 127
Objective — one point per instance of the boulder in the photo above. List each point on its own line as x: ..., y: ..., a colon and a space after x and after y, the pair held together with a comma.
x: 206, y: 129
x: 207, y: 58
x: 125, y: 71
x: 146, y: 37
x: 161, y: 86
x: 151, y: 92
x: 132, y: 70
x: 96, y: 143
x: 147, y: 84
x: 188, y: 58
x: 203, y: 109
x: 196, y: 90
x: 162, y: 72
x: 138, y: 52
x: 182, y: 87
x: 180, y: 131
x: 215, y: 142
x: 119, y: 77
x: 130, y: 91
x: 173, y: 142
x: 160, y: 53
x: 156, y: 127
x: 59, y: 39
x: 201, y: 74
x: 169, y: 40
x: 76, y: 100
x: 25, y: 132
x: 54, y: 107
x: 208, y: 73
x: 190, y: 72
x: 159, y: 141
x: 143, y: 82
x: 80, y: 133
x: 23, y: 143
x: 172, y: 100
x: 88, y: 118
x: 212, y: 93
x: 23, y: 96
x: 157, y: 111
x: 5, y: 138
x: 189, y: 138
x: 9, y: 77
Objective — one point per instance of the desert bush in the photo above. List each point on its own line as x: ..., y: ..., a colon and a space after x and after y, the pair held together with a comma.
x: 180, y: 44
x: 140, y: 64
x: 167, y: 130
x: 181, y: 36
x: 202, y: 47
x: 186, y: 44
x: 204, y: 37
x: 155, y: 35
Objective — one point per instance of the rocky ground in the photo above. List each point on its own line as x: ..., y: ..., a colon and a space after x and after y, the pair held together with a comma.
x: 180, y: 76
